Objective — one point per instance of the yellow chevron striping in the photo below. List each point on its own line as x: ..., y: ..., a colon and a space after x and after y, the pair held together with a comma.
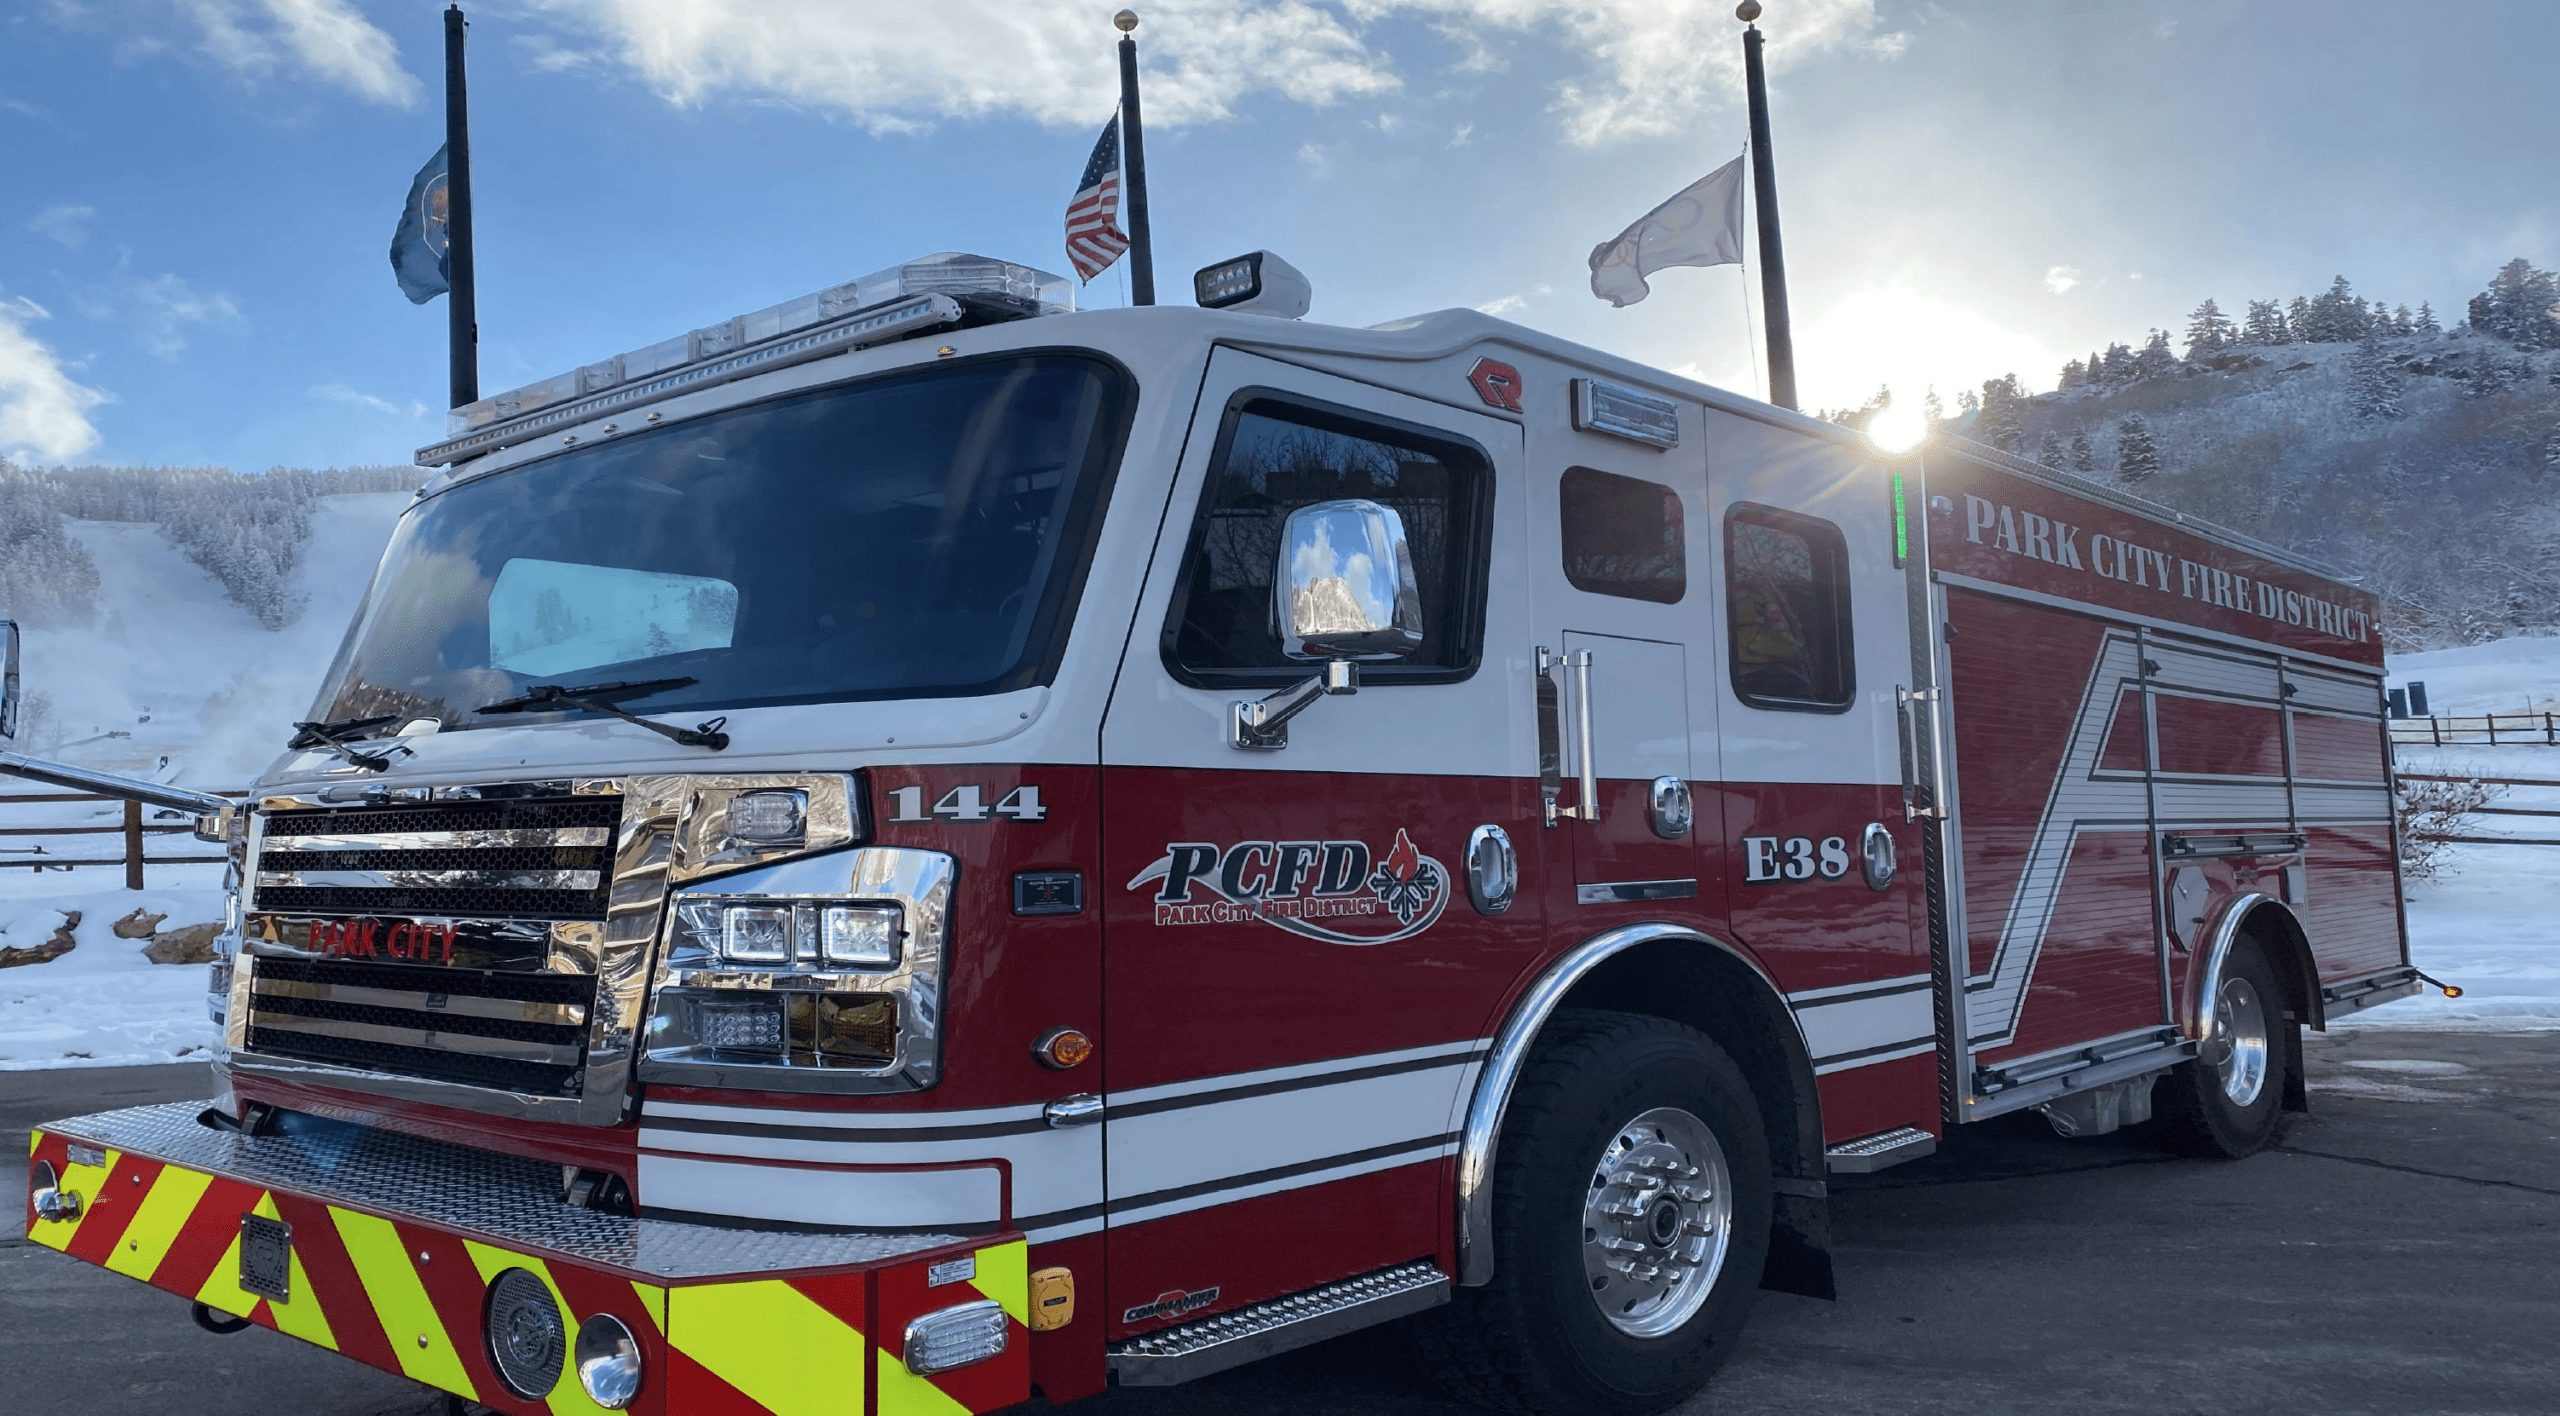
x: 772, y: 1343
x: 1004, y: 1274
x: 653, y: 1301
x: 903, y: 1393
x: 399, y: 1298
x: 156, y: 1225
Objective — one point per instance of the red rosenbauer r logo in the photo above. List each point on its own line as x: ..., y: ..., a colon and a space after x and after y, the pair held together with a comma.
x: 1337, y: 892
x: 1497, y: 383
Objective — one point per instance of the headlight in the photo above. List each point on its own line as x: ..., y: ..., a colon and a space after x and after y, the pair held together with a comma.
x: 820, y: 973
x: 786, y: 934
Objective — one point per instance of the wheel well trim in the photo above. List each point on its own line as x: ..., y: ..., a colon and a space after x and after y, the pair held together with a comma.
x: 1500, y: 1074
x: 2204, y: 992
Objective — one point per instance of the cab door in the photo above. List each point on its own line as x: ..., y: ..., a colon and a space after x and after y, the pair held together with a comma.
x: 1298, y: 976
x: 1619, y: 623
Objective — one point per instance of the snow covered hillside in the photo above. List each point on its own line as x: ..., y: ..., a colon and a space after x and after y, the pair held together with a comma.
x: 174, y: 681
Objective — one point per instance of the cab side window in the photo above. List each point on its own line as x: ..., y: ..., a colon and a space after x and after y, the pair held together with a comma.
x: 1787, y: 598
x: 1623, y: 536
x: 1276, y: 455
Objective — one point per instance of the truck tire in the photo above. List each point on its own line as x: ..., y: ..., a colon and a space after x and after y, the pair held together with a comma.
x: 2227, y: 1101
x: 1631, y: 1208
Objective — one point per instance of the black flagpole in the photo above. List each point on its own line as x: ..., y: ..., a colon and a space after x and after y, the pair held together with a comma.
x: 1764, y: 194
x: 463, y: 306
x: 1142, y: 253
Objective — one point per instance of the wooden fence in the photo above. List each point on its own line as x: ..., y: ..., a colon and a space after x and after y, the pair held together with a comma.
x: 2480, y: 730
x: 2548, y: 813
x: 132, y: 833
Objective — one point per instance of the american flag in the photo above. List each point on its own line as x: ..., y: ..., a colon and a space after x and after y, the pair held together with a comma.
x: 1094, y: 237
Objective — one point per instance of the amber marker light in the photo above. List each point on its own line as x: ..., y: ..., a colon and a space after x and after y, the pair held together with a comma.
x: 1062, y: 1048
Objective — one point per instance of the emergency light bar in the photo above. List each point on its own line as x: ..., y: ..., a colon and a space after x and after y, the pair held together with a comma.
x: 932, y: 293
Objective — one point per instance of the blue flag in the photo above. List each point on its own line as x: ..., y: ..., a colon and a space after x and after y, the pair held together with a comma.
x: 419, y: 247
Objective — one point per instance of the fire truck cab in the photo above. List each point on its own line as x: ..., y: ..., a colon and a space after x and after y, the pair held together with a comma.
x: 920, y: 846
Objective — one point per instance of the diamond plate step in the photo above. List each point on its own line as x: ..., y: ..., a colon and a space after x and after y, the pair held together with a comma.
x: 1872, y: 1153
x: 1179, y: 1354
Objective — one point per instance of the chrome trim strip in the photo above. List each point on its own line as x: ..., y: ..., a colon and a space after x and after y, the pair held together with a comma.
x: 563, y: 880
x: 503, y: 1009
x: 1612, y: 892
x: 450, y: 840
x: 1511, y: 1047
x: 546, y: 1053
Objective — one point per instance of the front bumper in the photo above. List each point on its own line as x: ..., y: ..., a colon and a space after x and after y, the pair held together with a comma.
x: 395, y: 1240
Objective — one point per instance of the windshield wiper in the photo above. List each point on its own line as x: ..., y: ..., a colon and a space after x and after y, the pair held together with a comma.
x: 598, y: 698
x: 332, y: 736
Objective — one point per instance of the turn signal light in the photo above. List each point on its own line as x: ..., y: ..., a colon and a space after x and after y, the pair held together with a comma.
x: 1062, y: 1048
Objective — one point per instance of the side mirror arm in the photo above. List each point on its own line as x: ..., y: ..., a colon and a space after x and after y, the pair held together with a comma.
x: 1262, y: 724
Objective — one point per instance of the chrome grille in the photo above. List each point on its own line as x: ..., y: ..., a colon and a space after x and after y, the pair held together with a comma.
x: 426, y: 939
x: 525, y: 858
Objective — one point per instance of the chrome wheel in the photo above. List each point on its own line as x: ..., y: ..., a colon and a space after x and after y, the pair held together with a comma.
x: 2239, y: 1045
x: 1656, y: 1221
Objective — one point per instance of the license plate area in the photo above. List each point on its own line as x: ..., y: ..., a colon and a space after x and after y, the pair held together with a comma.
x: 266, y: 1257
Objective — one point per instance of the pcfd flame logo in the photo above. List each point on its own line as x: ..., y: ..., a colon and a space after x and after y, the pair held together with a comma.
x: 1339, y: 892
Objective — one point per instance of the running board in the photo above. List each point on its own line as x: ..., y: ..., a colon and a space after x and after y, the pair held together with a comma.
x: 1179, y: 1354
x: 1872, y: 1153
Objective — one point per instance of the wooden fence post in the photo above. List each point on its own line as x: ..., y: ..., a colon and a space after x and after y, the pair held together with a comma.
x: 132, y: 844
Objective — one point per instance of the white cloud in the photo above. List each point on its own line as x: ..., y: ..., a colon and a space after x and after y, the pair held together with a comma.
x: 324, y: 38
x: 2061, y: 279
x: 1643, y: 66
x: 1504, y: 305
x: 1461, y: 135
x: 358, y: 398
x: 44, y: 413
x: 2166, y: 29
x: 1053, y: 63
x: 164, y: 310
x: 1649, y: 66
x: 66, y: 223
x: 1317, y: 159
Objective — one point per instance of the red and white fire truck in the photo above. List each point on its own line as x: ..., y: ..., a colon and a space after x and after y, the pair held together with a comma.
x: 920, y: 847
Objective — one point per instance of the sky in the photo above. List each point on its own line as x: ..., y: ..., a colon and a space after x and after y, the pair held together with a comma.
x: 197, y: 196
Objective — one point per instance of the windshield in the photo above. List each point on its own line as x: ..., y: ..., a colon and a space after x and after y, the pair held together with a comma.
x: 913, y: 535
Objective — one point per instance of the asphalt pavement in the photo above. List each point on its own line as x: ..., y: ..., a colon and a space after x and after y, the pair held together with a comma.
x: 2398, y: 1253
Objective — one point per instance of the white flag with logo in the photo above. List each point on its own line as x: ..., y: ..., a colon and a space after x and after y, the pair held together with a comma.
x: 1700, y: 226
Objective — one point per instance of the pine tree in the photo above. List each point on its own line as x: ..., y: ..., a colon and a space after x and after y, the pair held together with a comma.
x: 2119, y: 363
x: 2049, y: 452
x: 2083, y: 457
x: 2427, y: 319
x: 2401, y: 324
x: 2001, y: 422
x: 2265, y: 325
x: 2299, y: 320
x: 1931, y: 408
x: 2521, y: 306
x: 2155, y: 358
x: 2373, y: 382
x: 2208, y: 330
x: 2074, y: 374
x: 2338, y: 316
x: 2096, y: 369
x: 1968, y: 403
x: 2137, y: 459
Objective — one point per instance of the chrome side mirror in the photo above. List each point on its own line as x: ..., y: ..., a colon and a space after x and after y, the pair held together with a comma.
x: 1344, y: 587
x: 8, y: 679
x: 1343, y: 594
